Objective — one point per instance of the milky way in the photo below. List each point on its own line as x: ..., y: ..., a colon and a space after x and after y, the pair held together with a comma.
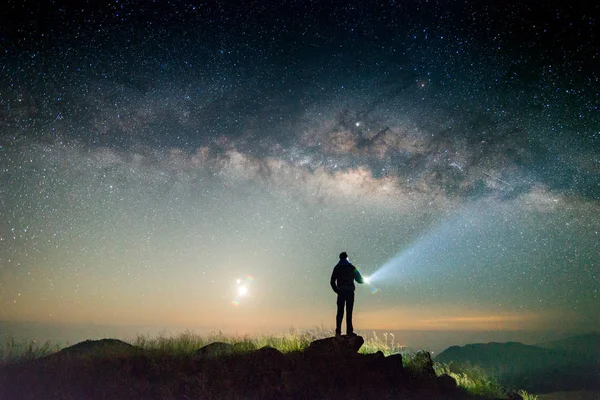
x: 154, y: 154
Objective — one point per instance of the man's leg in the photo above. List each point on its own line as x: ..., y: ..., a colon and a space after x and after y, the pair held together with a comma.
x: 349, y: 309
x: 340, y: 315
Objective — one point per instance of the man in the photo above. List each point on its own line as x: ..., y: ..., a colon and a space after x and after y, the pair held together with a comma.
x: 342, y: 282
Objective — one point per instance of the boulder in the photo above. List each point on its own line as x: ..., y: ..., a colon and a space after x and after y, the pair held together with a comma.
x: 269, y: 352
x: 269, y: 356
x: 375, y: 362
x: 214, y: 350
x: 393, y: 363
x: 392, y: 370
x: 338, y: 345
x: 422, y: 364
x: 102, y: 347
x: 514, y: 396
x: 374, y: 358
x: 446, y: 383
x: 269, y: 360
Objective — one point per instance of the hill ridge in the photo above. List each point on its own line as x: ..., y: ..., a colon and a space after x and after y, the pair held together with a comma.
x: 532, y: 367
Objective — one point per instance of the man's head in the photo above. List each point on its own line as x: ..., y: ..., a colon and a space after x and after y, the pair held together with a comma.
x: 343, y: 255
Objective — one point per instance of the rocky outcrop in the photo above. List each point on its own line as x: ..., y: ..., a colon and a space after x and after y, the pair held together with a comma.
x: 422, y: 364
x: 446, y: 382
x: 393, y: 363
x: 337, y: 346
x: 215, y: 349
x: 102, y: 347
x: 329, y: 368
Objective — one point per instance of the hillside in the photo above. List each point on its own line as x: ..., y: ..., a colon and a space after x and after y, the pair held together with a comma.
x: 533, y: 368
x: 586, y: 346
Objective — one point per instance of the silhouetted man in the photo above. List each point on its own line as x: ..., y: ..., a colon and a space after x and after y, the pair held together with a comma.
x: 342, y: 282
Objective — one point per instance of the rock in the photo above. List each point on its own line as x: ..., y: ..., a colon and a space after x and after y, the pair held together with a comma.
x: 422, y: 364
x: 258, y: 372
x: 108, y: 347
x: 215, y: 349
x: 270, y: 355
x: 269, y: 359
x: 514, y: 396
x: 393, y: 363
x: 269, y: 351
x: 375, y: 358
x: 373, y: 361
x: 391, y: 367
x: 446, y: 382
x: 339, y: 345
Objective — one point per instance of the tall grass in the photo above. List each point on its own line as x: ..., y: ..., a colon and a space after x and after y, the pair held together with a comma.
x: 12, y: 351
x: 188, y: 342
x: 527, y: 396
x: 476, y: 380
x: 472, y: 378
x: 385, y: 342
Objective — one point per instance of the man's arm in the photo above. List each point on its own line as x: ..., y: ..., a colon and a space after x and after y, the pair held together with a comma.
x: 333, y: 279
x: 357, y: 276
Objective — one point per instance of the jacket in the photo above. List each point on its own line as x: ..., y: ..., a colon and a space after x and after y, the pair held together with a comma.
x: 343, y: 277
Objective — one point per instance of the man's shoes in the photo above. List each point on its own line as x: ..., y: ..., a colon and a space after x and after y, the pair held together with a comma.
x: 338, y: 334
x: 351, y: 334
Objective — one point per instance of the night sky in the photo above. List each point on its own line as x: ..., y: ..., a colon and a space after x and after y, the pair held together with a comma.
x: 157, y: 157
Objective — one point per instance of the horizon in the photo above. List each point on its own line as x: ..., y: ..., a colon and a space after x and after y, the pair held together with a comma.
x: 183, y: 165
x: 436, y: 341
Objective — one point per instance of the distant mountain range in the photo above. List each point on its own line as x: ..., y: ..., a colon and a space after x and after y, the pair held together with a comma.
x: 584, y: 345
x: 567, y: 364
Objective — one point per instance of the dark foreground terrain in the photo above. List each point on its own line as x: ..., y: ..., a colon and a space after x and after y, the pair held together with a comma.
x: 329, y: 369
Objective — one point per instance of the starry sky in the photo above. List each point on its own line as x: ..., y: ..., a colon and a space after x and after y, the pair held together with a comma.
x: 202, y: 164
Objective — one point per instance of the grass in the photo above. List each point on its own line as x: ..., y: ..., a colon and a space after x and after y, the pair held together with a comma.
x: 385, y: 343
x: 472, y: 379
x: 477, y: 381
x: 12, y: 351
x: 293, y: 340
x: 188, y: 342
x: 527, y: 396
